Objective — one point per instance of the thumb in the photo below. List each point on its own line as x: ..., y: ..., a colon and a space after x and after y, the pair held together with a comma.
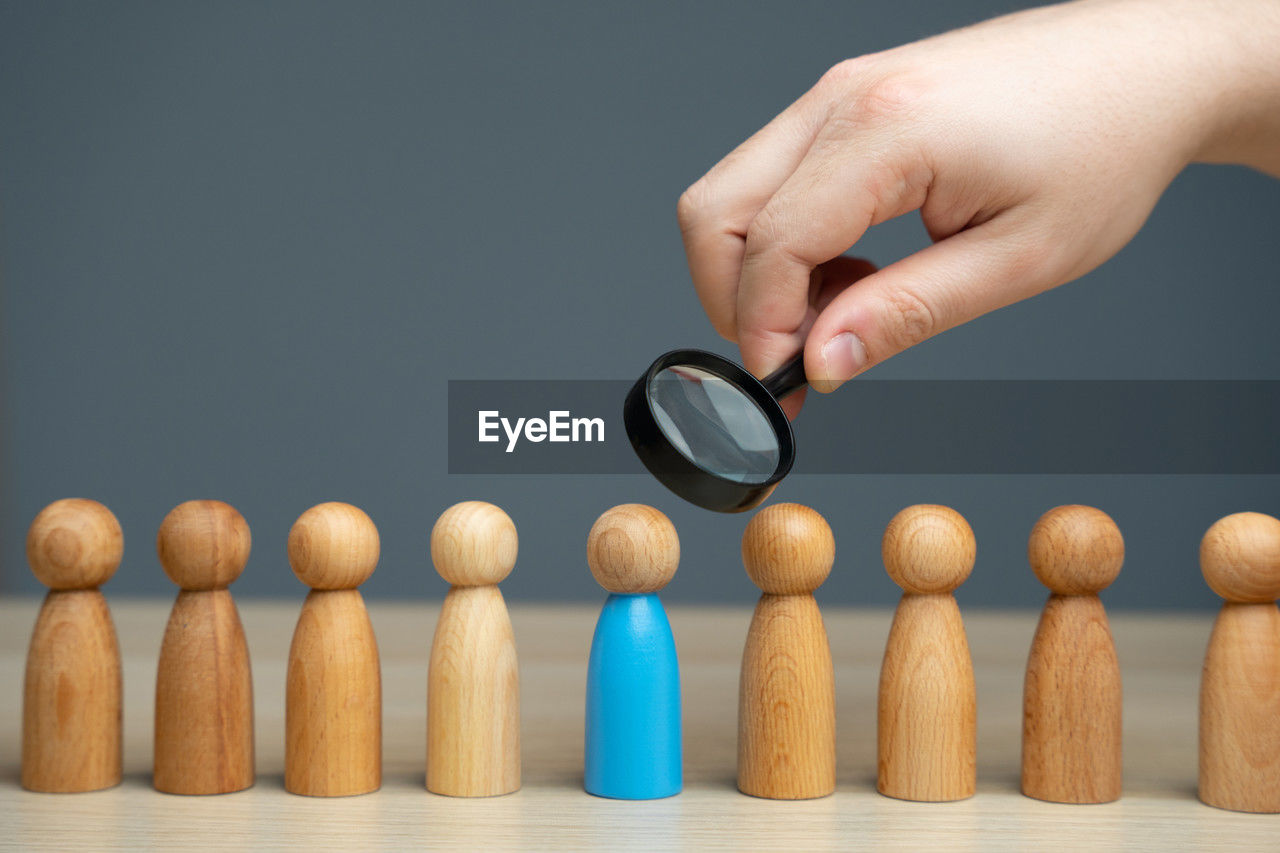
x: 951, y: 282
x: 825, y: 282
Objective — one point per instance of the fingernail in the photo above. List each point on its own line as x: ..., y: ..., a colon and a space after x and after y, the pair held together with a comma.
x: 843, y: 357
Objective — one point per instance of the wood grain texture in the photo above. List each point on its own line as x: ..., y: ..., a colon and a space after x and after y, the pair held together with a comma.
x: 633, y: 549
x: 786, y: 689
x: 788, y: 549
x: 786, y: 704
x: 204, y: 698
x: 1162, y: 655
x: 474, y: 543
x: 71, y: 714
x: 1240, y: 683
x: 333, y: 701
x: 473, y: 697
x: 74, y: 543
x: 333, y: 545
x: 927, y: 711
x: 928, y: 548
x: 927, y: 720
x: 1240, y: 710
x: 1075, y: 550
x: 203, y: 544
x: 71, y: 718
x: 1072, y: 706
x: 1240, y: 557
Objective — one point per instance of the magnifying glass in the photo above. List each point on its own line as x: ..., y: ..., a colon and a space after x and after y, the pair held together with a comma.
x: 710, y: 431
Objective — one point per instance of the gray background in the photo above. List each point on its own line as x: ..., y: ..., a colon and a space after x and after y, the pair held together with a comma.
x: 245, y: 245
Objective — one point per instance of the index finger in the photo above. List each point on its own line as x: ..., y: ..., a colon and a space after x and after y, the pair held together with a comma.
x: 715, y: 212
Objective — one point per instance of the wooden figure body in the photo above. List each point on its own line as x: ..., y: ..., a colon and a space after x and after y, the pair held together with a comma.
x: 1240, y: 685
x: 71, y: 715
x: 633, y: 748
x: 786, y: 694
x: 473, y: 685
x: 927, y: 720
x: 1072, y: 700
x: 333, y: 697
x: 204, y: 687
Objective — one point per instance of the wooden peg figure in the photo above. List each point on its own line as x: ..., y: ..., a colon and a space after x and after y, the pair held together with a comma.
x: 204, y: 688
x: 1240, y: 686
x: 1072, y: 702
x: 333, y: 703
x: 786, y: 696
x: 633, y: 741
x: 927, y: 716
x: 473, y: 685
x: 71, y: 698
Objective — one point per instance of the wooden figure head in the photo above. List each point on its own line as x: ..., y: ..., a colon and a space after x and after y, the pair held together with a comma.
x: 788, y: 549
x: 333, y: 546
x: 1240, y: 557
x: 203, y: 544
x: 633, y: 549
x: 1076, y: 550
x: 74, y: 543
x: 474, y: 543
x: 928, y: 549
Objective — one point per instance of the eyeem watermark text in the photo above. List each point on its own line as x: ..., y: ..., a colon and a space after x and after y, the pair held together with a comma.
x: 558, y: 426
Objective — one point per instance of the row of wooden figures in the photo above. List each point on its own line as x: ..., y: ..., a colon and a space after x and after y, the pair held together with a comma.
x: 786, y: 727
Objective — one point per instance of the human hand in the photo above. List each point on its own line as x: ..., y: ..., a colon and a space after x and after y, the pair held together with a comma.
x: 1033, y: 145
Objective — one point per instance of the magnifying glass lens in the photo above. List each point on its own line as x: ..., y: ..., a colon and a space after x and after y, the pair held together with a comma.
x: 714, y: 424
x: 710, y: 431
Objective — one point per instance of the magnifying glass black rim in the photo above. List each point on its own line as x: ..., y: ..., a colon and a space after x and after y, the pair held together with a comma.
x: 678, y: 472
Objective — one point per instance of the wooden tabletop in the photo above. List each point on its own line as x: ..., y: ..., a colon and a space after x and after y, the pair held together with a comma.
x: 1160, y: 656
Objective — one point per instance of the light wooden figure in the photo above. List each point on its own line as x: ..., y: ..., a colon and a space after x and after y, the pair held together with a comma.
x: 928, y: 709
x: 204, y: 688
x: 1072, y: 702
x: 333, y: 697
x: 473, y: 685
x: 1240, y: 686
x: 71, y: 698
x: 786, y: 697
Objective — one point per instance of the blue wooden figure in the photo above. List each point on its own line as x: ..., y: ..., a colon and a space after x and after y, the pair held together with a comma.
x: 633, y: 738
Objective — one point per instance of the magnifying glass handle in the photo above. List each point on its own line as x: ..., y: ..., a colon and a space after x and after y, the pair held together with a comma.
x: 786, y: 379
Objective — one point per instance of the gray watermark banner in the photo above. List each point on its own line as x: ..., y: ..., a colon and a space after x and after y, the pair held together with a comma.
x: 903, y: 427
